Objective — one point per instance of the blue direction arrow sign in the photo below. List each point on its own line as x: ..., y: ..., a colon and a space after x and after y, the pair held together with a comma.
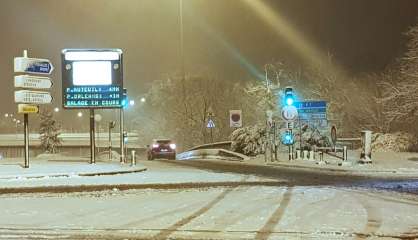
x: 33, y: 65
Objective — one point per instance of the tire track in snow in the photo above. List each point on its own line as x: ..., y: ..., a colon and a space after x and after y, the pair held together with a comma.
x: 173, y: 228
x: 160, y: 215
x: 225, y: 220
x: 275, y: 218
x: 374, y: 220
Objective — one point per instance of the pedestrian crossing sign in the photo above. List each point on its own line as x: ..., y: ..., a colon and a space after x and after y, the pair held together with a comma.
x: 211, y: 124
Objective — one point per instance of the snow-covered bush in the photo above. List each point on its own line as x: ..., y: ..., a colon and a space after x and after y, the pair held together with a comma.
x: 249, y: 140
x: 49, y: 130
x: 393, y: 142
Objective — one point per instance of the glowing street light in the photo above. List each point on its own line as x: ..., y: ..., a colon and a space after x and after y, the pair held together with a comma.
x: 6, y: 115
x: 143, y: 100
x: 79, y: 114
x: 131, y: 102
x: 56, y: 109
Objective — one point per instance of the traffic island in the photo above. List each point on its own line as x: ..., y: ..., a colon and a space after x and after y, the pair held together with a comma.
x: 57, y: 169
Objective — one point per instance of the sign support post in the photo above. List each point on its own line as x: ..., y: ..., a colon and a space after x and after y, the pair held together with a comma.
x: 92, y: 138
x: 121, y: 130
x: 26, y: 136
x: 27, y: 100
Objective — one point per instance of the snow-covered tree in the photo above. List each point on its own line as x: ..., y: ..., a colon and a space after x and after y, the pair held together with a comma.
x: 179, y: 108
x: 49, y: 131
x: 249, y: 140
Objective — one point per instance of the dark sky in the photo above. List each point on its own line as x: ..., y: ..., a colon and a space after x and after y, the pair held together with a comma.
x: 223, y: 36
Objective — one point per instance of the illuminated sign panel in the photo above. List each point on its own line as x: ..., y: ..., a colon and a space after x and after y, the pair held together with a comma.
x: 92, y: 78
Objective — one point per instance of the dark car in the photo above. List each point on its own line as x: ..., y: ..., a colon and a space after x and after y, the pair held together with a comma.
x: 162, y: 148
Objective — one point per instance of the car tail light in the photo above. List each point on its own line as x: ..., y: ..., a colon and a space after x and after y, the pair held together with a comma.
x: 155, y: 145
x: 173, y: 146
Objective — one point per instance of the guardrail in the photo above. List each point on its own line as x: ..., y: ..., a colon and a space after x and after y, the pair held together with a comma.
x: 223, y: 145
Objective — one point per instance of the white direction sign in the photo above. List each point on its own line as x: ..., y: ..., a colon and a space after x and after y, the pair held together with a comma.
x: 27, y: 81
x: 33, y: 65
x: 34, y: 97
x: 289, y: 113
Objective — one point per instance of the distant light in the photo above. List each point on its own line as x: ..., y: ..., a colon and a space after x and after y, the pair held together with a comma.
x: 79, y: 114
x: 132, y: 102
x: 14, y: 119
x: 56, y: 109
x: 143, y: 99
x: 173, y: 146
x: 155, y: 145
x: 17, y: 121
x: 6, y: 115
x: 92, y: 56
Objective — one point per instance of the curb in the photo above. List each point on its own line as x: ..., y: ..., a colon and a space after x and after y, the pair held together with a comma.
x: 392, y: 172
x: 125, y: 187
x: 92, y: 174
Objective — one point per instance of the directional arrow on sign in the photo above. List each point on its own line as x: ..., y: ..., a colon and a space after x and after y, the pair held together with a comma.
x: 34, y: 97
x: 33, y: 65
x: 26, y: 81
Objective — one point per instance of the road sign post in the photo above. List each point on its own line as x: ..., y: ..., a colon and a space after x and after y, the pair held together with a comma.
x: 28, y: 99
x: 93, y: 79
x: 210, y: 125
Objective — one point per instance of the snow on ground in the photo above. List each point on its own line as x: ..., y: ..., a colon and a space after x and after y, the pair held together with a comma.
x: 158, y: 175
x: 214, y: 213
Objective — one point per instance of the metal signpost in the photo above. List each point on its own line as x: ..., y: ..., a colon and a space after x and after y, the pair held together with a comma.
x: 210, y: 125
x: 92, y: 79
x: 28, y: 100
x: 311, y: 112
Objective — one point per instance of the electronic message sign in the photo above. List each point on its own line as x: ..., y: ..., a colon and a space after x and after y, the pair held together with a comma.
x: 92, y: 78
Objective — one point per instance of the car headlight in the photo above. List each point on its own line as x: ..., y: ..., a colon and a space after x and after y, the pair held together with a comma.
x: 155, y: 145
x: 173, y: 146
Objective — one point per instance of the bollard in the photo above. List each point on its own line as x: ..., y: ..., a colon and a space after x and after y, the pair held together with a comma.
x: 311, y: 156
x: 366, y: 149
x: 305, y: 155
x: 133, y: 158
x: 298, y: 157
x: 345, y: 156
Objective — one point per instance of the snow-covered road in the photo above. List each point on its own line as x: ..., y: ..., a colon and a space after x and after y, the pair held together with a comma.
x: 251, y: 209
x: 212, y: 213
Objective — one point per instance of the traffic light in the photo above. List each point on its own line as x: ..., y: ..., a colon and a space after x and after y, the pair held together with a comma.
x: 288, y: 96
x: 125, y: 98
x: 288, y: 138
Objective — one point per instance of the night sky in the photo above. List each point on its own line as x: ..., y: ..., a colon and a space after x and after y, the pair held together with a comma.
x: 222, y: 36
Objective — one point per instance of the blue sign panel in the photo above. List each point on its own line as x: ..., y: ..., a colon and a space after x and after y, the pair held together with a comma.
x: 92, y: 78
x: 311, y: 104
x: 39, y: 67
x: 312, y: 110
x: 93, y: 96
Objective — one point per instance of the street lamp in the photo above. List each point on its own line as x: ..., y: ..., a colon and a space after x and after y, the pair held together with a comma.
x: 143, y: 100
x: 131, y: 102
x: 56, y: 109
x: 79, y: 114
